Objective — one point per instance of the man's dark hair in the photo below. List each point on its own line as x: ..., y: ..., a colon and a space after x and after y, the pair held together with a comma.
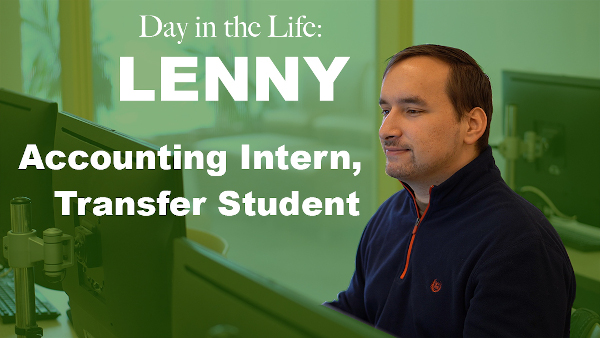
x: 468, y: 86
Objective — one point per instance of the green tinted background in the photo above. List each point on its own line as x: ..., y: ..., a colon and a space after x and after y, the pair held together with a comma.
x: 312, y: 255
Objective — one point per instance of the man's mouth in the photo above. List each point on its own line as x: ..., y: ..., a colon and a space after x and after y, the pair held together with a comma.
x: 390, y: 151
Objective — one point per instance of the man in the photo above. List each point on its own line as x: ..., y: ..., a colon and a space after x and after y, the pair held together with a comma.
x: 457, y: 252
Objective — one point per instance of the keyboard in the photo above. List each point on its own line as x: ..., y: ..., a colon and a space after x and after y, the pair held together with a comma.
x: 43, y: 308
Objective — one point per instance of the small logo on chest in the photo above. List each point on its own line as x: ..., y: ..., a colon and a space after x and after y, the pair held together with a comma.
x: 436, y: 286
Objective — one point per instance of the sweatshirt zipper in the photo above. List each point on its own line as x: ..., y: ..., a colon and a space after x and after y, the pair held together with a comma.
x: 415, y: 228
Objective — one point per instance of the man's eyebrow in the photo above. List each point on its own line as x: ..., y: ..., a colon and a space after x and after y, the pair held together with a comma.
x: 406, y: 100
x: 412, y: 100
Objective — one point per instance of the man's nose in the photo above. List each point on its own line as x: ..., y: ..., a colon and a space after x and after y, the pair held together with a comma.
x: 390, y: 126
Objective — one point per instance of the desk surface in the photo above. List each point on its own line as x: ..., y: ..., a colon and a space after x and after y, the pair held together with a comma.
x: 55, y: 328
x: 585, y: 263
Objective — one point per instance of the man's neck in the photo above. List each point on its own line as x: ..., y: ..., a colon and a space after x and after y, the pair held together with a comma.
x: 421, y: 206
x: 421, y: 197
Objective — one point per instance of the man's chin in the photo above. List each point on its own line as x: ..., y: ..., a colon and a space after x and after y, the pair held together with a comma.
x: 397, y: 173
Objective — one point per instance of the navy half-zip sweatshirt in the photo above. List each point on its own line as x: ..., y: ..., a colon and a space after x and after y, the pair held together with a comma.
x: 482, y: 261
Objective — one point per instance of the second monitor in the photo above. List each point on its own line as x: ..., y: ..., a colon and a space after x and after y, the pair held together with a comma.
x: 120, y: 285
x: 213, y: 297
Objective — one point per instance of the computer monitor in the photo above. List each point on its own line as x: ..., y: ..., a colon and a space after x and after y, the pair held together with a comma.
x: 26, y: 120
x: 120, y: 285
x: 564, y: 114
x: 213, y: 297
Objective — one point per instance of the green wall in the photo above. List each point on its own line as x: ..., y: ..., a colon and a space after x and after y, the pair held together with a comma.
x: 551, y: 37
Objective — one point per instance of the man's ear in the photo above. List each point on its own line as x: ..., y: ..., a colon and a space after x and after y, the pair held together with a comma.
x: 476, y: 124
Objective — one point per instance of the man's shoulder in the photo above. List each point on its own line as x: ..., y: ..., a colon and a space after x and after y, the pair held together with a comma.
x: 399, y: 196
x: 398, y: 206
x: 394, y: 214
x: 508, y: 219
x: 498, y: 199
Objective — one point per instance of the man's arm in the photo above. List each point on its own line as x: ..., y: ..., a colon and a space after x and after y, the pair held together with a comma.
x: 351, y: 301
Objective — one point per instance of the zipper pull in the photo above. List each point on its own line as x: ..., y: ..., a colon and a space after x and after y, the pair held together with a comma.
x: 416, y: 226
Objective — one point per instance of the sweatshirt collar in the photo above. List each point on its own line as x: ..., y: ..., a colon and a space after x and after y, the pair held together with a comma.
x: 468, y: 180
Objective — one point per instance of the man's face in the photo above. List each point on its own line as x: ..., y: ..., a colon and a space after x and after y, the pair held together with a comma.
x: 420, y: 133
